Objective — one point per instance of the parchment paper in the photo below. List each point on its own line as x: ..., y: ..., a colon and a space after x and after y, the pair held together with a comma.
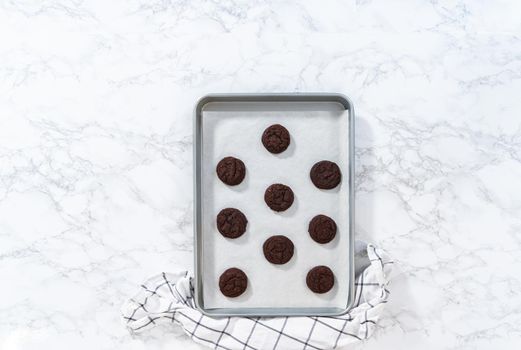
x: 318, y: 131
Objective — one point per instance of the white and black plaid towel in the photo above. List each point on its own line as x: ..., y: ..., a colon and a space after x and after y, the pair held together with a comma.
x: 168, y: 297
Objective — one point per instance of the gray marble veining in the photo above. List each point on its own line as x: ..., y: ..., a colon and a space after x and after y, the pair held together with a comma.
x: 96, y: 102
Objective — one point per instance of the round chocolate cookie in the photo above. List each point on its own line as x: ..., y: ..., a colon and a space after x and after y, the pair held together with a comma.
x: 278, y: 249
x: 325, y: 175
x: 279, y: 197
x: 231, y: 171
x: 320, y: 279
x: 322, y: 229
x: 233, y: 282
x: 276, y: 138
x: 231, y: 222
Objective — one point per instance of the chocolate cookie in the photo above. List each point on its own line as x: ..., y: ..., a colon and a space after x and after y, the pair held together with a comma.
x: 322, y: 229
x: 325, y: 175
x: 231, y: 171
x: 278, y: 249
x: 231, y: 222
x: 276, y: 138
x: 320, y: 279
x: 233, y: 282
x: 278, y: 197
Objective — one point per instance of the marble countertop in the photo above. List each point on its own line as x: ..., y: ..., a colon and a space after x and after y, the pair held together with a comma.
x: 96, y: 102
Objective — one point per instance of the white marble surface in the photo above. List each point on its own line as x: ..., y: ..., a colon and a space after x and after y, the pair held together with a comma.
x: 95, y: 153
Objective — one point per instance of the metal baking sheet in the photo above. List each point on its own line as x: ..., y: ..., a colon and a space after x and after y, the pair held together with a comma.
x: 321, y: 127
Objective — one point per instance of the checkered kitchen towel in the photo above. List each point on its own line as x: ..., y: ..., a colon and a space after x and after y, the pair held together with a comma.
x: 169, y: 298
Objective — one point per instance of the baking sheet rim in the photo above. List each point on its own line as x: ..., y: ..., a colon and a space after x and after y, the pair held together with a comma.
x: 197, y: 149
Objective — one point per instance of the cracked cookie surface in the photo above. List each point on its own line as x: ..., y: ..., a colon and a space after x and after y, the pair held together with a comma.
x: 325, y: 175
x: 233, y: 282
x: 278, y: 249
x: 279, y: 197
x: 231, y: 222
x: 320, y: 279
x: 276, y: 138
x: 322, y: 229
x: 231, y: 170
